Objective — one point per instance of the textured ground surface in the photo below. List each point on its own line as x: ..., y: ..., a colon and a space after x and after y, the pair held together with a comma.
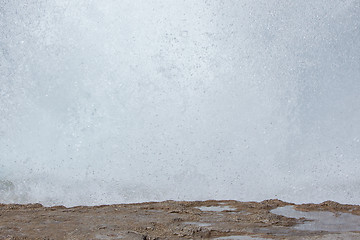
x: 167, y: 220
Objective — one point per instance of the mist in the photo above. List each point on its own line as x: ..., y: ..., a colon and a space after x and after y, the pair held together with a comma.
x: 128, y: 101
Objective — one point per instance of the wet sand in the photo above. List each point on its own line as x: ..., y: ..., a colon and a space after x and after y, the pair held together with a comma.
x: 182, y: 220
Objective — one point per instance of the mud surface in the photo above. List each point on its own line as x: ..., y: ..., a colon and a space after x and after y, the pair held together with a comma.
x: 168, y: 220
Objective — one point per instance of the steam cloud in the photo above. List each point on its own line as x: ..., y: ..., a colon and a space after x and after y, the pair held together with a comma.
x: 124, y: 101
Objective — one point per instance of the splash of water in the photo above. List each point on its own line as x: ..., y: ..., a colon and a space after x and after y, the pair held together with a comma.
x: 108, y: 101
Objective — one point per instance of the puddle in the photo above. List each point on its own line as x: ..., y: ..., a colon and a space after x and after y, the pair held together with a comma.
x: 242, y: 238
x: 322, y: 221
x: 216, y: 208
x: 200, y: 224
x: 241, y: 212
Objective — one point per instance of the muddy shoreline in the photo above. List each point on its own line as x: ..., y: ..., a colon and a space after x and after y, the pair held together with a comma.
x: 171, y: 220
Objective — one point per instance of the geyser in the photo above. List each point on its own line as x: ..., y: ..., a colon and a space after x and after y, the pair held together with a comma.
x: 124, y: 101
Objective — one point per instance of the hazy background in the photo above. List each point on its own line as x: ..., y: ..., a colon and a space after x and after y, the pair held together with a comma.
x: 124, y: 101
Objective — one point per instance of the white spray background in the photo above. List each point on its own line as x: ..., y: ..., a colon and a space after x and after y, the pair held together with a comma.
x: 125, y: 101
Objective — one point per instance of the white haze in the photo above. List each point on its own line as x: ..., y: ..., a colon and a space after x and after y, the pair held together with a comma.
x: 105, y: 101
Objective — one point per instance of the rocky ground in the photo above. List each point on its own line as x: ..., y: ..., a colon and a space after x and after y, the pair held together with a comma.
x: 174, y: 220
